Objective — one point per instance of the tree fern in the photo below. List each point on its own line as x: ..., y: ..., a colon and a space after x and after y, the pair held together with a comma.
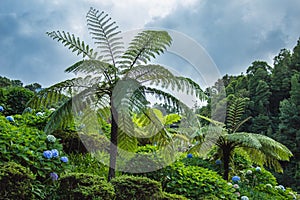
x: 116, y: 80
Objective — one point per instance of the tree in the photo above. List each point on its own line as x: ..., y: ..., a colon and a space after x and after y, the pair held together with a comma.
x: 261, y: 149
x: 289, y: 133
x: 35, y: 87
x: 115, y: 78
x: 16, y: 99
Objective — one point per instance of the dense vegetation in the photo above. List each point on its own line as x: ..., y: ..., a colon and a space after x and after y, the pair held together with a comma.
x: 58, y: 143
x: 272, y: 104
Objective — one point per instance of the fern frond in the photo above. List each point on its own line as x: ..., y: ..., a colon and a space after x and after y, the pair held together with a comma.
x: 234, y: 113
x: 160, y: 76
x: 243, y: 139
x: 106, y: 36
x: 61, y: 91
x: 73, y: 43
x: 214, y: 122
x: 146, y: 45
x: 90, y: 66
x: 64, y: 115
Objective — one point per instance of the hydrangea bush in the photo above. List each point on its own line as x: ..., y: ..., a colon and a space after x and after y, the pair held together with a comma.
x: 31, y: 148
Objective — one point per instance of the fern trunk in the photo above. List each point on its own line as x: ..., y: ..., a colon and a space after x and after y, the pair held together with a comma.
x: 113, y: 144
x: 226, y: 160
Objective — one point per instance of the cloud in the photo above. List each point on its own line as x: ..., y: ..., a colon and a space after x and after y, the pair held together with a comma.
x: 236, y: 32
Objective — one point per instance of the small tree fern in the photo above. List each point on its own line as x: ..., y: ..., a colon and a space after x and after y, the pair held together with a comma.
x: 261, y: 149
x: 113, y: 78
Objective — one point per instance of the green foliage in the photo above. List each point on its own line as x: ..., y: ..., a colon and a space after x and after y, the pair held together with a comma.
x: 25, y: 145
x: 79, y: 142
x: 15, y: 181
x: 200, y: 162
x: 85, y: 187
x: 168, y: 196
x: 16, y: 99
x: 192, y: 182
x: 87, y: 163
x: 135, y: 188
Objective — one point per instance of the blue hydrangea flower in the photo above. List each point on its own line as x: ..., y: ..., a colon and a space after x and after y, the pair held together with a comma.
x: 54, y: 153
x: 236, y: 179
x: 244, y: 198
x: 53, y: 176
x: 64, y: 159
x: 47, y: 154
x: 1, y: 109
x: 218, y: 162
x: 258, y: 169
x: 51, y: 138
x: 10, y: 118
x: 189, y: 155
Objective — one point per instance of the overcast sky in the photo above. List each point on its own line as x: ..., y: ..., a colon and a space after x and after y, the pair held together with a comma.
x: 234, y: 33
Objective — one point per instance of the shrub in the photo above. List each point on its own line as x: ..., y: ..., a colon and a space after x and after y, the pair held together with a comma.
x: 168, y: 196
x: 257, y: 177
x: 74, y: 142
x: 15, y: 181
x: 192, y: 182
x: 87, y: 163
x: 83, y: 186
x: 25, y: 145
x: 136, y: 188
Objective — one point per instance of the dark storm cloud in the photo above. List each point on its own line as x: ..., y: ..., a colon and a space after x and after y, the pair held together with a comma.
x: 234, y: 32
x: 237, y: 32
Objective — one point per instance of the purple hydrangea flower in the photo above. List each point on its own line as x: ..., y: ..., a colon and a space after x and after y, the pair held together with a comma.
x: 54, y: 153
x: 47, y: 154
x: 189, y: 155
x: 236, y: 179
x: 10, y: 118
x: 53, y: 176
x: 64, y: 159
x: 218, y: 162
x: 1, y: 109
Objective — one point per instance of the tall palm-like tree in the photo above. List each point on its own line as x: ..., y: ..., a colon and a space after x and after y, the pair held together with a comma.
x: 115, y: 78
x: 261, y: 149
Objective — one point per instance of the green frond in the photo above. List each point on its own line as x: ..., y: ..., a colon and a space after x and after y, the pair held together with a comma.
x: 64, y: 114
x: 106, y: 35
x: 171, y: 119
x: 159, y: 76
x: 269, y: 152
x: 91, y: 66
x: 126, y: 141
x: 235, y: 112
x: 243, y: 139
x: 273, y: 148
x: 214, y: 122
x: 61, y: 91
x: 144, y: 46
x: 167, y: 98
x: 62, y: 117
x: 73, y: 43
